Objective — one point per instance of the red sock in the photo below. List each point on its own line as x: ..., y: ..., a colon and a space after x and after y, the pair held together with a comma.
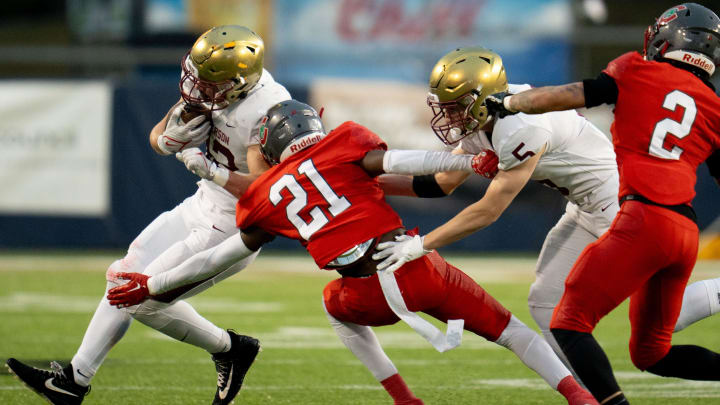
x: 573, y: 392
x: 399, y: 391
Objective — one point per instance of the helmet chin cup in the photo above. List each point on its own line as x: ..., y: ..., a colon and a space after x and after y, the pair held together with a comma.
x: 455, y: 135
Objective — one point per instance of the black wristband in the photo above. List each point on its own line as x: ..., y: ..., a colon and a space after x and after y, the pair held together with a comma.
x: 602, y: 89
x: 427, y: 187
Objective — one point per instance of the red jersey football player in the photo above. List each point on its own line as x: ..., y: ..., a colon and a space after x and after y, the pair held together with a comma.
x: 667, y: 122
x: 322, y: 191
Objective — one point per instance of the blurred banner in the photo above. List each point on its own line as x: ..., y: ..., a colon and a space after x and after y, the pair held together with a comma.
x: 54, y: 147
x: 158, y: 20
x: 396, y: 111
x: 402, y: 39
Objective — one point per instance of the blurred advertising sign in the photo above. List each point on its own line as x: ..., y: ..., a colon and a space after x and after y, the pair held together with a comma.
x: 402, y: 39
x: 400, y: 116
x: 200, y: 15
x: 55, y: 147
x: 254, y: 14
x: 123, y: 20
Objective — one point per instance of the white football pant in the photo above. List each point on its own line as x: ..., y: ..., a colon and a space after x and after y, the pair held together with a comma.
x: 194, y: 225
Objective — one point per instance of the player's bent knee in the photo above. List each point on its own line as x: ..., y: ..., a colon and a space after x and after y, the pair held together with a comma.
x: 644, y: 355
x: 541, y: 315
x: 514, y: 332
x: 543, y: 296
x: 331, y: 298
x: 111, y: 274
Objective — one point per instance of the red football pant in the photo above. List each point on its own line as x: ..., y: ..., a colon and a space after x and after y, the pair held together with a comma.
x: 428, y: 284
x: 647, y: 255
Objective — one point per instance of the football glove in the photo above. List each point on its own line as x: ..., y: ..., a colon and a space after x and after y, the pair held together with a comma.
x: 485, y: 163
x: 201, y: 166
x: 179, y: 135
x: 405, y: 248
x: 496, y: 106
x: 132, y: 293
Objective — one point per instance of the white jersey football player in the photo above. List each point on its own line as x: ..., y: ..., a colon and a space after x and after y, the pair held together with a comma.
x: 561, y: 150
x: 225, y: 87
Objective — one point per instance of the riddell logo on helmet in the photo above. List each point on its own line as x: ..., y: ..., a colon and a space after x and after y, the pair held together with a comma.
x: 698, y: 61
x: 305, y: 142
x: 695, y: 59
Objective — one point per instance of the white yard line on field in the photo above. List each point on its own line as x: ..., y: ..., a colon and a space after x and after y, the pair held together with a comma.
x: 31, y: 302
x: 673, y: 389
x: 298, y: 337
x: 513, y: 267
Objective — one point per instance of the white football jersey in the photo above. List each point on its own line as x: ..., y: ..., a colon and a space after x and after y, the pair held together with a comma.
x: 234, y: 129
x: 579, y: 160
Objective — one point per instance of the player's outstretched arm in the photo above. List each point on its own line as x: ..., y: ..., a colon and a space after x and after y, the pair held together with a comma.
x: 428, y: 186
x: 545, y: 99
x: 415, y: 162
x: 500, y: 193
x: 502, y: 190
x: 167, y: 286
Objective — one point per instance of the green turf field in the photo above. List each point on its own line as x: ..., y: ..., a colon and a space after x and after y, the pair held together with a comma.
x: 46, y: 302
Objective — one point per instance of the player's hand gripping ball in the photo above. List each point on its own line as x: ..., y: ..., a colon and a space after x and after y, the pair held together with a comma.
x: 180, y: 134
x: 485, y: 163
x: 189, y: 112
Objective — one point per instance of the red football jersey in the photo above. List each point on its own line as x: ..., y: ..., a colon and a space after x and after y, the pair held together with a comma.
x: 667, y: 122
x: 321, y: 196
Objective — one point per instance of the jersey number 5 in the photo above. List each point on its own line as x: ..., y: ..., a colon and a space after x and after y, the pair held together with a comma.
x: 667, y: 126
x: 300, y: 201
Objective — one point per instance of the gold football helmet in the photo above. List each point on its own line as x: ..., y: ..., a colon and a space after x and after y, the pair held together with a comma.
x: 459, y: 84
x: 221, y: 67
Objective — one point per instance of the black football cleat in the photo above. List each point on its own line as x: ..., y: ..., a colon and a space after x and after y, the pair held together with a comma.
x: 56, y: 385
x: 232, y: 365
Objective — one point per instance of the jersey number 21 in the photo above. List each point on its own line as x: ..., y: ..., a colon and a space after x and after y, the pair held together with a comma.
x: 319, y: 219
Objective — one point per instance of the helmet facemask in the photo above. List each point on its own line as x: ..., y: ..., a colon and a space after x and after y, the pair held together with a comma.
x: 206, y: 94
x: 454, y: 120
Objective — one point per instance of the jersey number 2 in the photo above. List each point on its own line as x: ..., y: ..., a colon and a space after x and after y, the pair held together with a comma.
x: 288, y: 181
x: 667, y: 126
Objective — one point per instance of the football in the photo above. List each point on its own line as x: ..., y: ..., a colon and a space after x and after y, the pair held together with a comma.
x: 191, y: 111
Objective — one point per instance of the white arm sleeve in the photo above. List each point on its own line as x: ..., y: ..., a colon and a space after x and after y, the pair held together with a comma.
x: 201, y: 266
x: 419, y: 162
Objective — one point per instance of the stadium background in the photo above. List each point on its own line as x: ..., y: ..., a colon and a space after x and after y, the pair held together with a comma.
x: 83, y: 82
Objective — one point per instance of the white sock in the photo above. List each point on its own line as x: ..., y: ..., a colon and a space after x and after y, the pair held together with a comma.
x: 701, y: 299
x: 363, y: 343
x: 180, y: 321
x: 533, y: 351
x: 542, y: 317
x: 107, y: 327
